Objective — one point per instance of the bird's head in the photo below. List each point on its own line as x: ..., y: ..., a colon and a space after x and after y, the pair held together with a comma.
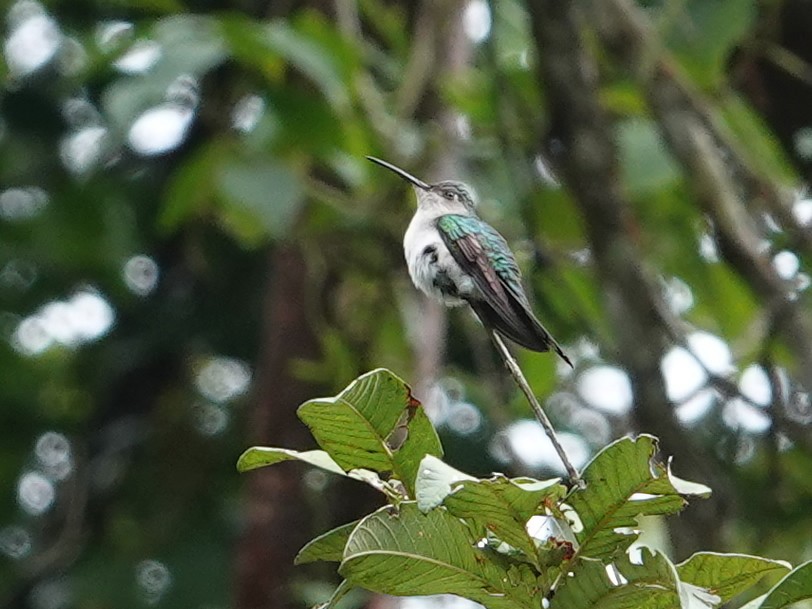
x: 449, y: 196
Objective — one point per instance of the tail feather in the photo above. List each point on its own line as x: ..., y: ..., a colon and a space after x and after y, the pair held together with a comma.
x: 524, y: 329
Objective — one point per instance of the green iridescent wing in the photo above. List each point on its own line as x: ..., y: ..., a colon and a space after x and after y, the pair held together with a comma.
x: 483, y: 253
x: 486, y: 257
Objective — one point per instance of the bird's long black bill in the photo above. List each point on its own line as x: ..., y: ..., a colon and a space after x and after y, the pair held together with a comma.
x: 403, y: 174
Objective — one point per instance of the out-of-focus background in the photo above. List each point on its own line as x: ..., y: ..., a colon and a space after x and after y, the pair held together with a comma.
x: 192, y: 244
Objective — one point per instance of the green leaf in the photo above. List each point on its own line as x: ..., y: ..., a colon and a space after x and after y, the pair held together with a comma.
x: 266, y: 189
x: 311, y: 58
x: 422, y: 440
x: 650, y: 585
x: 254, y: 197
x: 502, y: 507
x: 260, y: 456
x: 356, y: 426
x: 795, y: 587
x: 703, y: 35
x: 406, y: 553
x: 380, y: 397
x: 621, y: 484
x: 724, y: 297
x: 497, y: 506
x: 435, y: 481
x: 727, y: 575
x: 340, y: 592
x: 246, y: 40
x: 191, y: 190
x: 346, y: 435
x: 645, y: 162
x: 328, y: 546
x: 760, y: 146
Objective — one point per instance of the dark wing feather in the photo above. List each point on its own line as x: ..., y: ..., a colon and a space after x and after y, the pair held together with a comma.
x: 485, y: 256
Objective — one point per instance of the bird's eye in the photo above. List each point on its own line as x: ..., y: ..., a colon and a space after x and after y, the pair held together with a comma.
x: 448, y: 195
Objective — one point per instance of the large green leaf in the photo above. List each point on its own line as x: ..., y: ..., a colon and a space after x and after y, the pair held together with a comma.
x: 255, y: 198
x: 421, y: 440
x: 621, y: 484
x: 407, y: 553
x: 267, y: 191
x: 435, y: 481
x: 380, y: 397
x: 497, y: 506
x: 356, y: 426
x: 653, y: 584
x: 261, y: 456
x: 344, y: 433
x: 327, y: 546
x: 727, y: 575
x: 795, y: 587
x: 502, y: 507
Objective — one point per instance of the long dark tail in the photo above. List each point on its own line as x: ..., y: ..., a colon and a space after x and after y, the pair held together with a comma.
x: 524, y: 329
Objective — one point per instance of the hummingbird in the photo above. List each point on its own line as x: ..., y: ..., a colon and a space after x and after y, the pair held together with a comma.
x: 457, y: 258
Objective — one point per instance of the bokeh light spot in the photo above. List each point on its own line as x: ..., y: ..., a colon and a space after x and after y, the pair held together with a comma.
x: 140, y: 57
x: 476, y: 21
x: 160, y: 129
x: 34, y: 39
x: 707, y: 248
x: 22, y: 203
x: 463, y: 418
x: 154, y: 579
x: 593, y: 425
x: 141, y: 274
x: 247, y: 112
x: 210, y: 419
x: 755, y: 384
x: 682, y: 373
x: 678, y: 295
x: 53, y: 593
x: 15, y: 542
x: 81, y: 151
x: 110, y: 35
x: 786, y: 264
x: 90, y: 315
x: 606, y: 388
x: 802, y: 141
x: 53, y: 451
x: 31, y: 337
x: 692, y: 410
x: 738, y: 414
x: 221, y: 379
x: 530, y: 444
x: 712, y: 351
x: 85, y: 317
x: 802, y: 210
x: 35, y: 493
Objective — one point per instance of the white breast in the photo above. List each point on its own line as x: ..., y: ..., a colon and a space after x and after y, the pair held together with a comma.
x: 420, y: 240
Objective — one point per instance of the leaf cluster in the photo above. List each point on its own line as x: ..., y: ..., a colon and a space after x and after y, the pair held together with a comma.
x: 507, y: 543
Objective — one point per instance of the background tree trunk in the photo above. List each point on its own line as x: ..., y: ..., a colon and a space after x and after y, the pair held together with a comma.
x: 277, y: 522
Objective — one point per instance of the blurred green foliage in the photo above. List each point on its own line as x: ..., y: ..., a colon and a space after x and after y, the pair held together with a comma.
x: 154, y: 154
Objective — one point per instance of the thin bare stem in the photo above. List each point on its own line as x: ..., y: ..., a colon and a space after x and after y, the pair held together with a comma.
x: 518, y: 376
